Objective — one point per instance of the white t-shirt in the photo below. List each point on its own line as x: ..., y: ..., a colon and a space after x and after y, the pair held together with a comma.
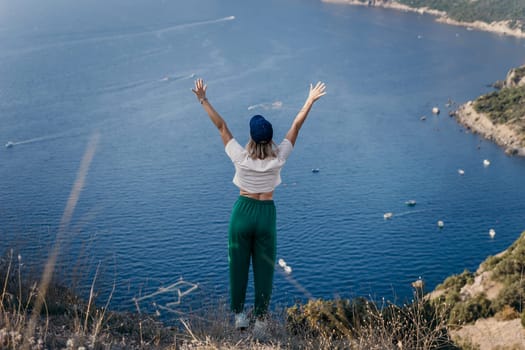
x: 257, y: 175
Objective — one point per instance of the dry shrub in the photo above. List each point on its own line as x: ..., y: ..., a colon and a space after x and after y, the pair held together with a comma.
x: 507, y: 313
x: 470, y: 310
x: 456, y: 282
x: 365, y: 325
x: 466, y: 344
x: 333, y: 319
x: 66, y: 320
x: 512, y: 295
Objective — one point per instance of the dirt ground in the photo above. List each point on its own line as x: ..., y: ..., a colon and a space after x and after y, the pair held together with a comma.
x: 490, y: 334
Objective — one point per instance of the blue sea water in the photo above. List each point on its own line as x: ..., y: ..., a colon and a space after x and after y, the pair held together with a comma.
x: 157, y: 196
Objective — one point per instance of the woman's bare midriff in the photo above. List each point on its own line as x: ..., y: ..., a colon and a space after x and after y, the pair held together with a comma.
x: 266, y: 196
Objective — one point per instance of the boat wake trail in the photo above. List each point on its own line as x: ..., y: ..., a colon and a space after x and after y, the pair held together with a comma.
x: 410, y: 212
x: 266, y: 106
x: 42, y: 138
x: 193, y: 24
x: 126, y: 86
x: 180, y: 289
x: 171, y: 78
x: 116, y: 88
x: 116, y: 36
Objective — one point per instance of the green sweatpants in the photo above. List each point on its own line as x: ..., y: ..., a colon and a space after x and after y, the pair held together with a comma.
x: 252, y: 234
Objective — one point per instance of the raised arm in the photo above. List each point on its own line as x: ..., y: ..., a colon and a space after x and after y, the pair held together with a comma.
x: 315, y: 93
x: 200, y: 92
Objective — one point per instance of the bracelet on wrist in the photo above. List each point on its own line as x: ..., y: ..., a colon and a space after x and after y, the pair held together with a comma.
x: 201, y: 100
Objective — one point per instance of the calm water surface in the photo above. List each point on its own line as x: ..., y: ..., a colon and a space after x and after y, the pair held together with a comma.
x: 157, y: 197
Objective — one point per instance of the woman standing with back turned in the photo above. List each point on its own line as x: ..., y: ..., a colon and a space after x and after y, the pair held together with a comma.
x: 252, y: 229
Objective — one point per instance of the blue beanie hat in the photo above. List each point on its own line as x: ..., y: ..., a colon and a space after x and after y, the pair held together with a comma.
x: 261, y: 130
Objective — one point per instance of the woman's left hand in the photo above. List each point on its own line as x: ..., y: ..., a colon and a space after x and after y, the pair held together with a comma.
x: 200, y: 89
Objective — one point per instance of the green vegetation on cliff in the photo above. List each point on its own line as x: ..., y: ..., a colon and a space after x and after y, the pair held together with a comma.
x: 509, y: 269
x: 496, y: 289
x: 509, y: 266
x: 504, y: 272
x: 504, y: 106
x: 481, y: 10
x: 507, y: 104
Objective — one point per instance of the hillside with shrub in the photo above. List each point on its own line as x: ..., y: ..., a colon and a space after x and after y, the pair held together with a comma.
x: 480, y: 10
x: 498, y: 285
x: 495, y: 292
x: 500, y: 115
x: 507, y: 105
x: 505, y: 17
x: 470, y: 310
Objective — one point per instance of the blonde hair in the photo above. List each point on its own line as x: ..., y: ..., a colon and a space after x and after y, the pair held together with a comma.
x: 261, y: 150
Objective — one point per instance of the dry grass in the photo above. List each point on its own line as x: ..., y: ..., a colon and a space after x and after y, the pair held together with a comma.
x: 506, y: 314
x: 68, y: 322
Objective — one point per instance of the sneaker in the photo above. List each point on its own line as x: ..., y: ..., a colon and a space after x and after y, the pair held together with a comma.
x: 260, y: 330
x: 241, y: 321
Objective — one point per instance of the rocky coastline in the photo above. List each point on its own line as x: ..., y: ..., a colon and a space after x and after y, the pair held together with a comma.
x: 498, y: 27
x: 509, y: 135
x: 507, y: 132
x: 505, y: 135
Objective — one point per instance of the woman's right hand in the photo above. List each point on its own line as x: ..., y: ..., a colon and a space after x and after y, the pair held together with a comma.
x: 316, y: 91
x: 200, y: 90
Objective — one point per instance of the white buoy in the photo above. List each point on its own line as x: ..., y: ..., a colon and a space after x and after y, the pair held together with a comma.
x: 461, y: 172
x: 492, y: 233
x: 387, y: 216
x: 441, y: 224
x: 486, y: 162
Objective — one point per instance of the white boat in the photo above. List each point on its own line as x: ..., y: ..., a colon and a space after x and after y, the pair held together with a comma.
x: 486, y: 162
x: 410, y: 203
x: 435, y: 110
x: 461, y: 172
x: 492, y: 233
x: 9, y: 144
x: 387, y: 216
x: 441, y: 224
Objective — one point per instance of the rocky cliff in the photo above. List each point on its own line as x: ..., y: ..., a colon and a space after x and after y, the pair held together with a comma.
x: 487, y: 306
x: 500, y: 115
